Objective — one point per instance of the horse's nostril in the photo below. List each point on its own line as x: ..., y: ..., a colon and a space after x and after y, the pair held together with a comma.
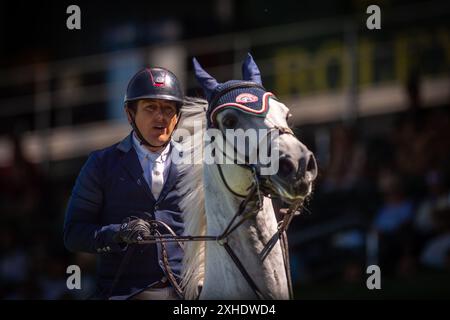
x: 307, y: 167
x: 312, y: 167
x: 286, y: 168
x: 301, y: 168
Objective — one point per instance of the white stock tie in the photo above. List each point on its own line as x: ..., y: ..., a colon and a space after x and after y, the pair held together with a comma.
x: 157, y: 178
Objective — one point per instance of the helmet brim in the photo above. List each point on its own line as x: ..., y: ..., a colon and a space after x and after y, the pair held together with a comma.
x: 155, y: 96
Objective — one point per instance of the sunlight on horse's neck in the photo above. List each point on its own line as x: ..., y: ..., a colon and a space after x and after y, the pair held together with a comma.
x: 247, y: 241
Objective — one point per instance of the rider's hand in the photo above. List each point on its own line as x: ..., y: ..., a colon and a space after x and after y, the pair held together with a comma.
x: 133, y: 230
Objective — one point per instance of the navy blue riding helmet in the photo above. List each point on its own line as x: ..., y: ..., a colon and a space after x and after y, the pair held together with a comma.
x: 153, y: 83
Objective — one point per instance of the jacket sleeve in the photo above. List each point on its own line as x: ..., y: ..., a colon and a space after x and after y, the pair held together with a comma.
x: 82, y: 228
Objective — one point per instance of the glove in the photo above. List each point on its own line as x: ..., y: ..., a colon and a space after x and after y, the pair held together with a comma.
x: 133, y: 230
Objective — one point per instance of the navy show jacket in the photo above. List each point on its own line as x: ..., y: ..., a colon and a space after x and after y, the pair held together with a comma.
x: 109, y: 188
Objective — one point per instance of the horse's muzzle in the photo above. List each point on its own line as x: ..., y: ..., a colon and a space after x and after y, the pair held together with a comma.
x: 305, y: 169
x: 293, y: 180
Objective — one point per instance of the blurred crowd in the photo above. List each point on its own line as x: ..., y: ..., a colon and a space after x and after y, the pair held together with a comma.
x: 391, y: 185
x: 33, y: 260
x: 383, y: 197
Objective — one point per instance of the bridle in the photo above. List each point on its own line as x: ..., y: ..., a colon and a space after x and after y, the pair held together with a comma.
x: 242, y: 214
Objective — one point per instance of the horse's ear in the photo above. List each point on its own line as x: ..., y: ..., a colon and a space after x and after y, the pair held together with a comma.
x: 250, y: 70
x: 207, y: 82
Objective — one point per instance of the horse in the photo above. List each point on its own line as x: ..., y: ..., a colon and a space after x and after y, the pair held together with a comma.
x: 241, y: 247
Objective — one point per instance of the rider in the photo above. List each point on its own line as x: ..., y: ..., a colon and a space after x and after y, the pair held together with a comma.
x: 123, y: 186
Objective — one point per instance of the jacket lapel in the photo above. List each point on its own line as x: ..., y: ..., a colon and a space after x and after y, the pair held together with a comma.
x: 130, y: 162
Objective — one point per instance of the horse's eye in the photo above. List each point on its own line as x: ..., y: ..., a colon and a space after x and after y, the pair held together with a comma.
x: 229, y: 122
x: 289, y: 121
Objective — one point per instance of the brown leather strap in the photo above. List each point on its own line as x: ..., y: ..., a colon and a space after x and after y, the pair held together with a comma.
x: 244, y: 272
x: 169, y: 272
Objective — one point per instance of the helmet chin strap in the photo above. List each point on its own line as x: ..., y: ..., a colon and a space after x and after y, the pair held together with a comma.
x: 141, y: 138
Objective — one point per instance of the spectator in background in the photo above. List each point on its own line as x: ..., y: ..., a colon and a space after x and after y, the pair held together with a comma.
x: 432, y: 223
x: 438, y: 198
x: 20, y: 185
x: 20, y: 197
x: 392, y: 223
x: 14, y: 261
x: 437, y: 251
x: 347, y: 160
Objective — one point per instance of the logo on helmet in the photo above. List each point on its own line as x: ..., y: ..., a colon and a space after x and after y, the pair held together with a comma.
x: 159, y: 79
x: 246, y: 98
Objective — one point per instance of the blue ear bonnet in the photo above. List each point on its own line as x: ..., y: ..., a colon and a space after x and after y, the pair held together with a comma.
x: 248, y: 96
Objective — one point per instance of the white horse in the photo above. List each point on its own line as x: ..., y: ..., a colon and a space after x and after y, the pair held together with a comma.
x: 211, y: 198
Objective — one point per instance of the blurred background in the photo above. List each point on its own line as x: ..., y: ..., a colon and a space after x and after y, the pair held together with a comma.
x: 374, y: 106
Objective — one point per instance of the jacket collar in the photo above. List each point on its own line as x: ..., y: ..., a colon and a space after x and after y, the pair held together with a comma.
x: 131, y: 163
x: 127, y: 144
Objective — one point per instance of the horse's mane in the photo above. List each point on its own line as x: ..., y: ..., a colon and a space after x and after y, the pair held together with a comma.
x: 192, y: 204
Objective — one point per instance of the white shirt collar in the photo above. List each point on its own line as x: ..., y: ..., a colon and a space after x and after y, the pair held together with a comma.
x: 143, y: 152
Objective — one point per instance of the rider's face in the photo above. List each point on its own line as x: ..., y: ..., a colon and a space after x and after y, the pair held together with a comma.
x: 156, y: 119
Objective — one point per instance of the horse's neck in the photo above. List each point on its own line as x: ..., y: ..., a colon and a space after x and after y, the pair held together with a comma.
x: 222, y: 278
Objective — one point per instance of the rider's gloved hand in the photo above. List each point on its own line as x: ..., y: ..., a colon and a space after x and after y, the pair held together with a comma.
x: 133, y: 230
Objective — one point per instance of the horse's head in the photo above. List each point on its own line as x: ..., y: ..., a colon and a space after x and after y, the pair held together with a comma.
x: 246, y: 105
